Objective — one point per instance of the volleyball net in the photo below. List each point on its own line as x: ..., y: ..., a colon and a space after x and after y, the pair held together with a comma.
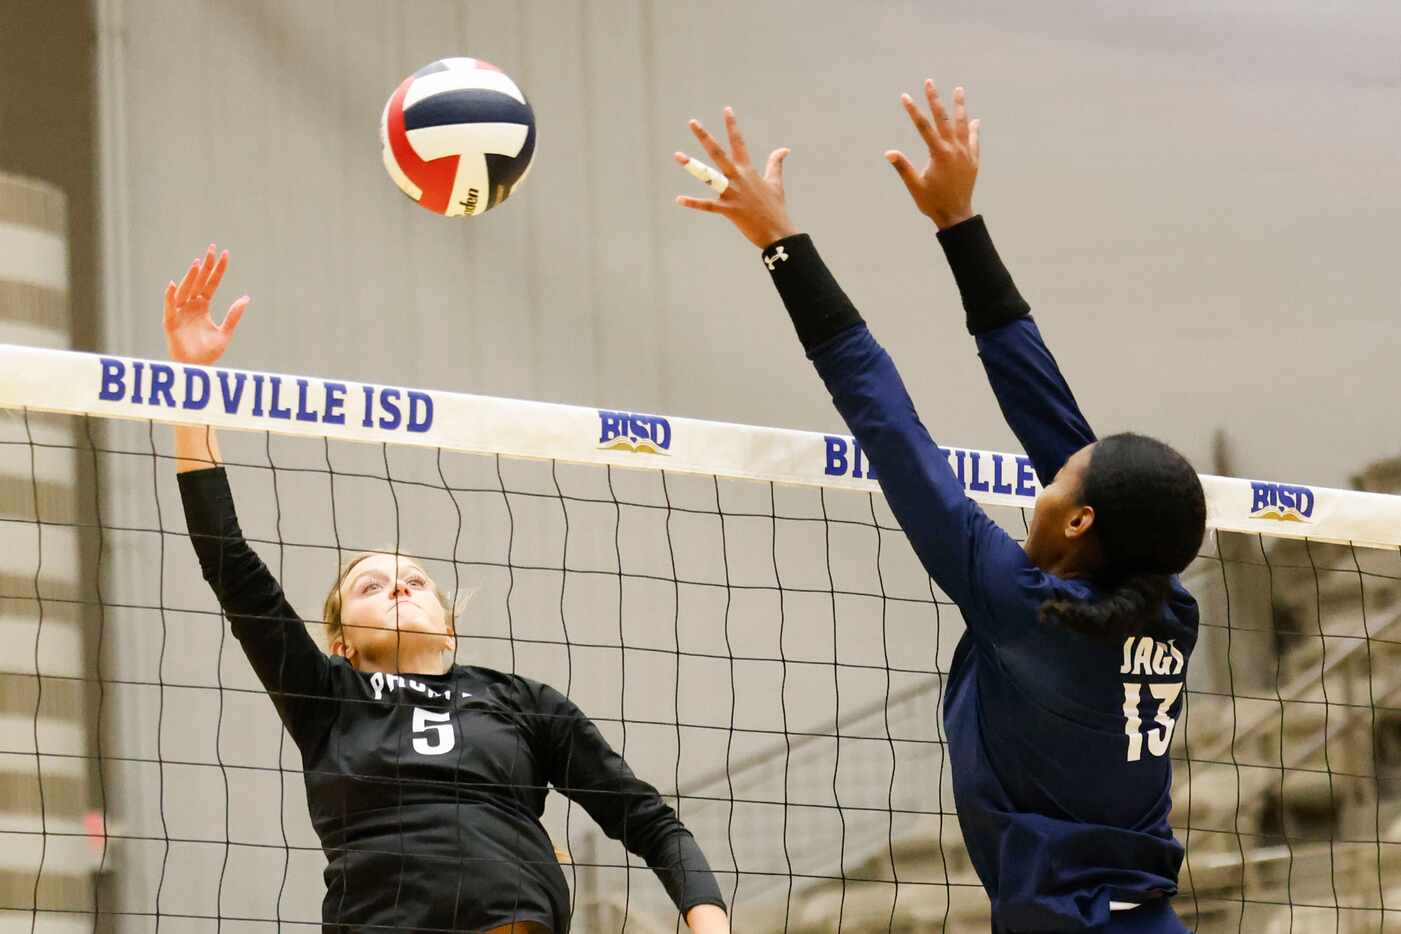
x: 734, y: 606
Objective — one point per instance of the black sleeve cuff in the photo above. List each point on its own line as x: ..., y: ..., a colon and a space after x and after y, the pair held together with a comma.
x: 208, y: 502
x: 990, y: 297
x: 819, y: 308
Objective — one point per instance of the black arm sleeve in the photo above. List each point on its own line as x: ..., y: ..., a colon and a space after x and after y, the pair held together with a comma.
x: 816, y: 304
x: 295, y: 672
x: 990, y: 297
x: 584, y: 768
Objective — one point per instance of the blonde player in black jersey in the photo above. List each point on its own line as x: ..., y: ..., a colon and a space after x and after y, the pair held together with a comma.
x: 425, y: 779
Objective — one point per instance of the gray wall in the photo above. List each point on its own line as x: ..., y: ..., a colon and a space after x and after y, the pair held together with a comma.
x: 1198, y: 203
x: 48, y: 181
x: 45, y: 700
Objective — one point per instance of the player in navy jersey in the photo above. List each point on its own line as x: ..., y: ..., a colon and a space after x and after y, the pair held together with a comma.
x: 425, y: 779
x: 1063, y: 692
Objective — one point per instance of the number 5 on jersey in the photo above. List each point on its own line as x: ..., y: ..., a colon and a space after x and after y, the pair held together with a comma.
x: 1160, y: 734
x: 432, y: 732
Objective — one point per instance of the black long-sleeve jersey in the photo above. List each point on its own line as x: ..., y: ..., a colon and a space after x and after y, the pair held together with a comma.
x: 427, y: 790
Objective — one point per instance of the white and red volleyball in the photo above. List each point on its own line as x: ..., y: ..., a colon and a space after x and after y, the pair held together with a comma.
x: 458, y: 136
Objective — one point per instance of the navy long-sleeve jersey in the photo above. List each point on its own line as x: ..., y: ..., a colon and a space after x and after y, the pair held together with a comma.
x: 1058, y: 742
x: 426, y: 791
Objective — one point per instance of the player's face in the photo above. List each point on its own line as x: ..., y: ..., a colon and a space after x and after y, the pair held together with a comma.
x: 390, y: 613
x: 1056, y: 540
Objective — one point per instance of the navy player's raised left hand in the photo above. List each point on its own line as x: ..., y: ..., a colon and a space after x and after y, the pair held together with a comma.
x: 754, y: 203
x: 943, y: 190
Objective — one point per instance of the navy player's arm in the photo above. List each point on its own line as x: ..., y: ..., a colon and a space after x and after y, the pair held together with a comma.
x: 965, y: 552
x: 1033, y: 395
x: 1032, y: 392
x: 585, y: 768
x: 295, y: 672
x: 970, y: 557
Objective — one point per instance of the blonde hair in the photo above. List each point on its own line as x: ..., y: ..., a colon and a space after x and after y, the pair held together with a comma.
x: 331, y: 609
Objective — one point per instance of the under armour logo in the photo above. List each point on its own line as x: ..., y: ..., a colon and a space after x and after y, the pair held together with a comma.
x: 779, y: 254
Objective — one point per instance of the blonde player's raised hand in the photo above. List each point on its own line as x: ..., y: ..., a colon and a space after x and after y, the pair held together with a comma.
x: 753, y: 202
x: 943, y: 191
x: 190, y: 333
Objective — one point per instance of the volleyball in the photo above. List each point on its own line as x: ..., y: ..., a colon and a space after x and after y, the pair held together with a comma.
x: 458, y: 136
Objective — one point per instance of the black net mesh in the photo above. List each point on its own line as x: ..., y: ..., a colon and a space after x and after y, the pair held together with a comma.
x: 770, y: 657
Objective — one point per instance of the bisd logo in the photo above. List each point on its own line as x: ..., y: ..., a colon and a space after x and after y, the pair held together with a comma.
x: 626, y: 431
x: 1281, y: 503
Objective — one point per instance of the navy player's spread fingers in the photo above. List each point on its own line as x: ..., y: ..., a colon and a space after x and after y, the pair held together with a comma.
x: 714, y: 150
x: 737, y: 146
x: 922, y: 125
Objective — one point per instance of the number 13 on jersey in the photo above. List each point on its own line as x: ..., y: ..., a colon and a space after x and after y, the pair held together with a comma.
x: 1144, y: 655
x: 1159, y: 733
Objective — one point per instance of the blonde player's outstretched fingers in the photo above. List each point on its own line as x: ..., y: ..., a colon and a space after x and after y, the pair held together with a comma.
x: 168, y: 316
x: 216, y: 275
x: 191, y: 334
x: 234, y: 316
x: 193, y: 297
x: 974, y: 146
x: 714, y: 150
x: 737, y: 146
x: 187, y: 284
x: 207, y: 263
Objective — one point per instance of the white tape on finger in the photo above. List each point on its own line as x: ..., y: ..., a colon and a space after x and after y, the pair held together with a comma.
x: 709, y: 176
